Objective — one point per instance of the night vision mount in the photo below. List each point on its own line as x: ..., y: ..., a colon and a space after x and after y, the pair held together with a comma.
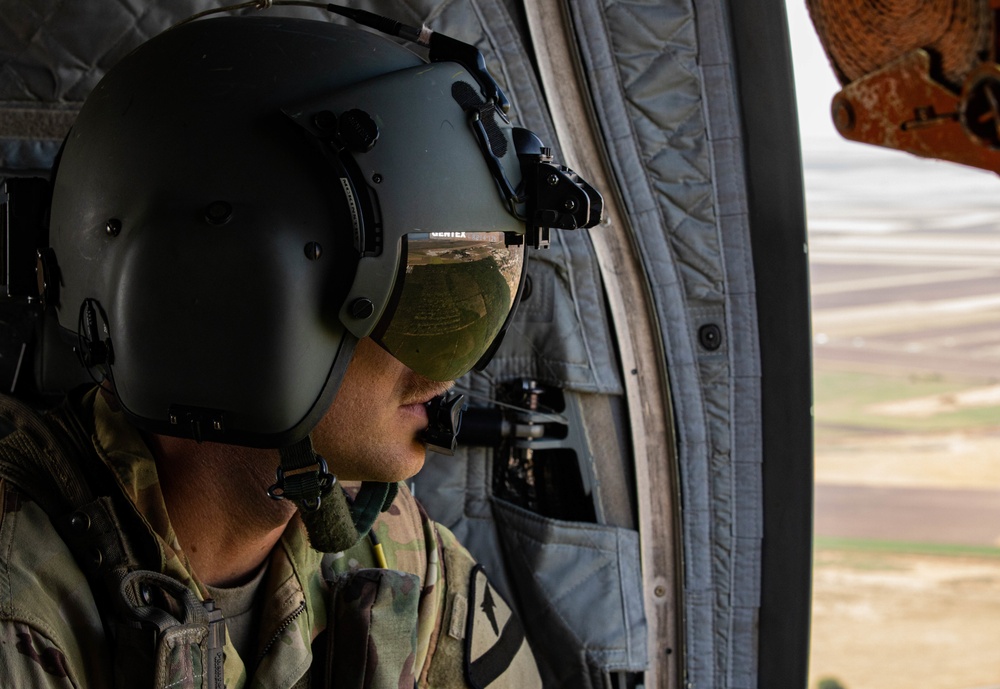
x: 549, y: 195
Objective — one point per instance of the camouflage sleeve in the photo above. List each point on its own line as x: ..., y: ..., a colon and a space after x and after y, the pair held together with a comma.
x: 478, y: 641
x: 29, y: 659
x: 51, y: 633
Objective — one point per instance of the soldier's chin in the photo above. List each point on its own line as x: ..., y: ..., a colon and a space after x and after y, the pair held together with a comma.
x: 414, y: 463
x: 399, y: 466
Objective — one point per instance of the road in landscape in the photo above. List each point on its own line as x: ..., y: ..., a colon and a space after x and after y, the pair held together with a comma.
x: 965, y: 517
x: 910, y: 300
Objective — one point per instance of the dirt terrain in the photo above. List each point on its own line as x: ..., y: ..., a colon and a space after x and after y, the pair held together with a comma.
x: 888, y: 620
x: 884, y: 618
x: 953, y: 459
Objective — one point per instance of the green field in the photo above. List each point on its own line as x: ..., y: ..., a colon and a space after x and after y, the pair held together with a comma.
x: 848, y: 401
x: 866, y: 549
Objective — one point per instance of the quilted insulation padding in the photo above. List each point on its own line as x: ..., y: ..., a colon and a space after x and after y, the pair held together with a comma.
x: 663, y: 90
x: 52, y: 54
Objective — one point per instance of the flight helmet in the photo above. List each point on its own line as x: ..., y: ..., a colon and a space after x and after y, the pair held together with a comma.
x: 242, y: 198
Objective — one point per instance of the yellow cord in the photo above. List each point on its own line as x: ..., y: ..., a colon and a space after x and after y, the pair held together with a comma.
x: 379, y: 553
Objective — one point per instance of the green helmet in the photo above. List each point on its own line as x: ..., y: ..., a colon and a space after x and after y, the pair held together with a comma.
x: 242, y: 198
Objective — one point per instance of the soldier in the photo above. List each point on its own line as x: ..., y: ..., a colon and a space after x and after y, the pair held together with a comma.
x: 273, y: 242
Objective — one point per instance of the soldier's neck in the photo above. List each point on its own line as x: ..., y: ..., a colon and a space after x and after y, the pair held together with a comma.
x: 216, y: 498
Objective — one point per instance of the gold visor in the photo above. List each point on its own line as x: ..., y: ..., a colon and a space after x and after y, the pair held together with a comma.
x: 451, y: 300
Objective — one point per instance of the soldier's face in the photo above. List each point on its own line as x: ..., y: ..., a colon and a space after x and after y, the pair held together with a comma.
x: 371, y: 431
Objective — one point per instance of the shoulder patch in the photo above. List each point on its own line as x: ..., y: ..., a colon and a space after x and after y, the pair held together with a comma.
x: 496, y: 652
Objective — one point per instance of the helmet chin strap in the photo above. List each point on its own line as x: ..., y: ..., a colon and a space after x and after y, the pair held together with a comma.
x: 334, y: 523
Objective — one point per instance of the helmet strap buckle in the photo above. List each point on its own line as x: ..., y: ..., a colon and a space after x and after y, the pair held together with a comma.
x: 302, y: 477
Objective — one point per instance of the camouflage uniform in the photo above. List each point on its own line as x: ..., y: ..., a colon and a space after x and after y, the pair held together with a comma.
x: 391, y: 627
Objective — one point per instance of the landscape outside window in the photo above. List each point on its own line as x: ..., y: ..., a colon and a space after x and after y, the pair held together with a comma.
x: 905, y: 270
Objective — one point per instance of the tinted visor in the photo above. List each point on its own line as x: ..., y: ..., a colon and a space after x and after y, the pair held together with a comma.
x: 451, y: 299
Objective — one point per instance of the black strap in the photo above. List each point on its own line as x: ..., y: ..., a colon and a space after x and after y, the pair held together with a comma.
x: 303, y: 476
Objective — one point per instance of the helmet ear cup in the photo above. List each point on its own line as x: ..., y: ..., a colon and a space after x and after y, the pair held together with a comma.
x: 234, y: 245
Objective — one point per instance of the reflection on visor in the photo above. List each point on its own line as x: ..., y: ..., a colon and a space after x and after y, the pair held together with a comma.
x: 451, y: 300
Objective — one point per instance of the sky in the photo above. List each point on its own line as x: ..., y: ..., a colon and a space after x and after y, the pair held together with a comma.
x: 847, y: 182
x: 815, y: 84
